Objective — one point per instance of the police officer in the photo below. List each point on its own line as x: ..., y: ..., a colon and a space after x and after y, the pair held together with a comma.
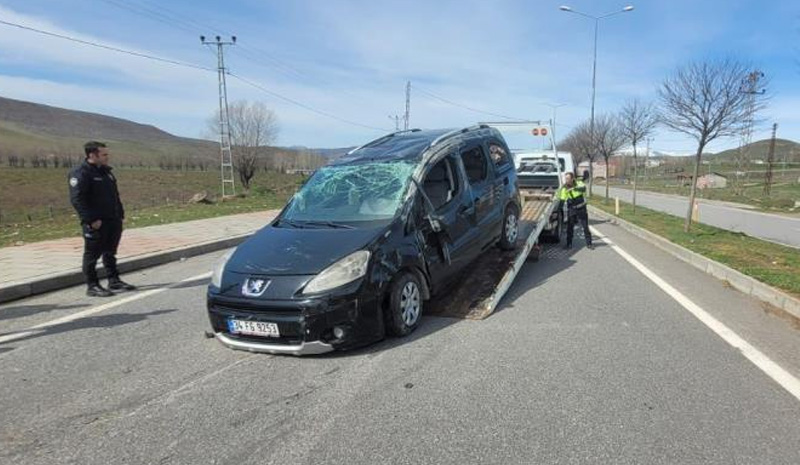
x: 574, y: 194
x: 93, y: 192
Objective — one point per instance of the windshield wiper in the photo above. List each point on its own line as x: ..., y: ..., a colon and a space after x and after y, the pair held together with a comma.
x: 291, y: 223
x: 329, y: 224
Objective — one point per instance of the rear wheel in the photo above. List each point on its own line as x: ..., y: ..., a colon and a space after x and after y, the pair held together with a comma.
x: 405, y: 305
x: 510, y: 234
x: 554, y: 235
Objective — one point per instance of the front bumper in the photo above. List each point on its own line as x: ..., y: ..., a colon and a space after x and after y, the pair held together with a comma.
x: 304, y: 348
x: 305, y: 326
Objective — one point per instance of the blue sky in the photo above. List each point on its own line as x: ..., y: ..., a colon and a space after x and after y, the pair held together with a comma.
x: 351, y: 58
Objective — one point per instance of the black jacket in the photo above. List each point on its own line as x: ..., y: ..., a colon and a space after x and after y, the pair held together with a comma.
x: 93, y: 192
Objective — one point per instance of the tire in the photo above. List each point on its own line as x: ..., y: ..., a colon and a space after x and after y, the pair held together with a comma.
x: 510, y: 233
x: 405, y: 305
x: 554, y: 236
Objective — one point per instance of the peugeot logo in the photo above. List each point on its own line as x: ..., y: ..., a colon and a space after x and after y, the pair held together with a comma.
x: 254, y: 287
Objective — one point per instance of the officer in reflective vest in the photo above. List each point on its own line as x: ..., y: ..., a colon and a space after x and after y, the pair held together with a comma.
x: 573, y: 192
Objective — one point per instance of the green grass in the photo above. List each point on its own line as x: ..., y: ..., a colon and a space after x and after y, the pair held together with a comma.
x: 58, y: 228
x: 784, y: 193
x: 28, y: 196
x: 772, y: 264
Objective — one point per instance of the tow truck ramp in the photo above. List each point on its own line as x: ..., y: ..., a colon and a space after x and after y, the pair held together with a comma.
x: 483, y: 285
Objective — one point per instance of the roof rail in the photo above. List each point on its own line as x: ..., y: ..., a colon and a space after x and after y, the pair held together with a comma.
x: 382, y: 138
x: 513, y: 123
x: 458, y: 131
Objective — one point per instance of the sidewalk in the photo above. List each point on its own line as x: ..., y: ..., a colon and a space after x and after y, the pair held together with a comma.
x: 45, y: 266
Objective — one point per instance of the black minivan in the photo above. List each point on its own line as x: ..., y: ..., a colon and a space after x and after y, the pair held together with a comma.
x: 366, y: 241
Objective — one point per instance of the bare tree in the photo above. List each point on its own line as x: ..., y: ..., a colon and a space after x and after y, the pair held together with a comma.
x: 608, y: 139
x: 253, y: 128
x: 579, y: 142
x: 705, y: 100
x: 637, y: 120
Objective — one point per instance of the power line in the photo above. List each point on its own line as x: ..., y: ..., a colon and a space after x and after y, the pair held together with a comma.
x: 107, y: 47
x: 302, y: 105
x: 152, y: 14
x: 254, y: 55
x: 158, y: 12
x: 193, y: 66
x: 450, y: 102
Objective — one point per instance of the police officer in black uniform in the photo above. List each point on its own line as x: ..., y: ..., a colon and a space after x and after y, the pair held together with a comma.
x: 93, y: 192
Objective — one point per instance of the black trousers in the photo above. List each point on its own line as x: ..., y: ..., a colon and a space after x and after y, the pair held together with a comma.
x: 581, y: 215
x: 101, y: 243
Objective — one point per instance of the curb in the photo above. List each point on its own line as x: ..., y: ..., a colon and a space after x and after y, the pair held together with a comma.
x: 40, y: 285
x: 736, y: 279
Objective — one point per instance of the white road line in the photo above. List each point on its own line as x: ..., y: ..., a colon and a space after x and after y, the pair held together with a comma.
x: 91, y: 311
x: 764, y: 363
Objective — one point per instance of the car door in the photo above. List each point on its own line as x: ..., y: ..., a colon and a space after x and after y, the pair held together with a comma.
x: 503, y: 180
x: 480, y: 178
x: 446, y: 189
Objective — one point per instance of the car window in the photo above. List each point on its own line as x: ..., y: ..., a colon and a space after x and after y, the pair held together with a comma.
x: 441, y: 183
x: 475, y: 164
x: 499, y: 154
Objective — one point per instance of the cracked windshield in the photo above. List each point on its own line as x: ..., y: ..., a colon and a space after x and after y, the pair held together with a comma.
x: 399, y: 232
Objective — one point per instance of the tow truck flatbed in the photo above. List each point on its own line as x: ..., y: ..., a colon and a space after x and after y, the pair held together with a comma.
x: 488, y: 278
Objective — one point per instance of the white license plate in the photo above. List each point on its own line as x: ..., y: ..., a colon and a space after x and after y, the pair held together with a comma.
x: 253, y: 328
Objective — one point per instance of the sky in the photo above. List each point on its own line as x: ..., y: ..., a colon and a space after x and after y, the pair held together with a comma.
x: 341, y: 66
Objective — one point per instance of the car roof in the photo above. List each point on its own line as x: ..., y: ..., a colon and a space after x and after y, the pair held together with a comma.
x: 410, y: 145
x: 403, y: 145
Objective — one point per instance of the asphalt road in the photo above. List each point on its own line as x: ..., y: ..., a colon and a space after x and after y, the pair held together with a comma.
x: 775, y: 228
x: 587, y: 361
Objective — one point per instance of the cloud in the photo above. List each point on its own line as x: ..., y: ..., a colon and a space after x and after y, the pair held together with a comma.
x: 352, y: 59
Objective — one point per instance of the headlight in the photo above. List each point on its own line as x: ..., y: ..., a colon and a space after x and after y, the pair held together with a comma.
x: 219, y: 267
x: 344, y: 271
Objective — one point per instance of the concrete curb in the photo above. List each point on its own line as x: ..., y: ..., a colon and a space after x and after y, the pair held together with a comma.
x: 46, y: 283
x: 736, y: 279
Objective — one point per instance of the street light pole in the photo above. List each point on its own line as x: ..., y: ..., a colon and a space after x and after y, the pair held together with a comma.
x: 594, y: 79
x: 594, y: 61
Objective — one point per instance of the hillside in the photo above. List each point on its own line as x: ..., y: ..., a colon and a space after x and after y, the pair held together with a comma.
x: 760, y: 149
x: 31, y: 131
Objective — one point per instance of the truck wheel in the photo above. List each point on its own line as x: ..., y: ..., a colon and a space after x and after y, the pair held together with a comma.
x: 555, y: 233
x: 508, y: 239
x: 405, y: 305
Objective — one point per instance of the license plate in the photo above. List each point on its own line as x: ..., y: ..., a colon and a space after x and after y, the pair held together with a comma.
x: 253, y: 328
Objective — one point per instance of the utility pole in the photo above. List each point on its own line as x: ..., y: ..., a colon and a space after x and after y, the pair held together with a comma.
x: 226, y: 157
x: 647, y: 159
x: 749, y: 87
x: 396, y: 120
x: 408, y: 106
x: 770, y: 160
x: 554, y: 107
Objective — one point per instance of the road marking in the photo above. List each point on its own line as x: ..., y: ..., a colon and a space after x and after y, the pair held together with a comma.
x: 764, y: 363
x: 100, y: 308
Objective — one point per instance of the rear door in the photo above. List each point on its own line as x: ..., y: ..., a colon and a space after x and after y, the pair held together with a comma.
x: 481, y: 179
x: 504, y: 173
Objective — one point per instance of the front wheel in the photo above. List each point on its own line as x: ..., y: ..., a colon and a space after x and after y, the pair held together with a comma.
x: 405, y: 305
x: 510, y: 234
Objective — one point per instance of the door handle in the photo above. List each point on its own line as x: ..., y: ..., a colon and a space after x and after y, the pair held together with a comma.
x: 466, y: 210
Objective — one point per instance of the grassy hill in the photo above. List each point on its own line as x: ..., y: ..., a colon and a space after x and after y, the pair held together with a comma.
x: 31, y: 131
x: 760, y: 149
